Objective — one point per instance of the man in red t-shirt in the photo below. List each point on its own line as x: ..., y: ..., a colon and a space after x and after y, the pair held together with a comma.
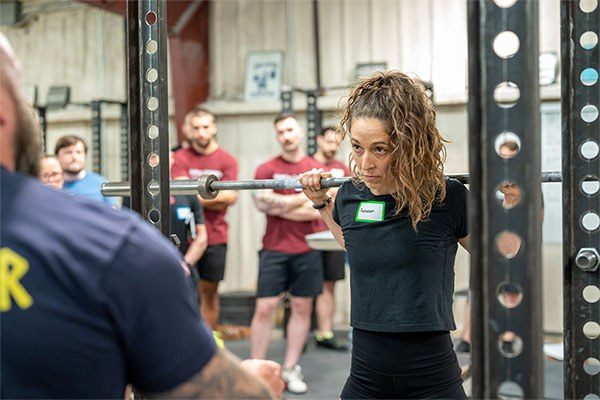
x: 334, y: 262
x: 204, y: 156
x: 286, y: 262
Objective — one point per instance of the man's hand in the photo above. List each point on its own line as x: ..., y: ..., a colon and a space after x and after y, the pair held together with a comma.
x: 267, y: 371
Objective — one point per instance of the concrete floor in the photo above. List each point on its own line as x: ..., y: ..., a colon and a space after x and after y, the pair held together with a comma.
x: 326, y: 371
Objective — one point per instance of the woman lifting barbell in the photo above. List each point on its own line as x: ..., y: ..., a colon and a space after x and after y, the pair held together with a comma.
x: 400, y: 221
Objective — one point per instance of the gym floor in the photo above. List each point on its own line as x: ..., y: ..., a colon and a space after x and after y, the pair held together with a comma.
x: 326, y: 371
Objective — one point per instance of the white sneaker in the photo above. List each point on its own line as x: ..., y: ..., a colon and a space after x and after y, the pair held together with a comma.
x: 294, y: 381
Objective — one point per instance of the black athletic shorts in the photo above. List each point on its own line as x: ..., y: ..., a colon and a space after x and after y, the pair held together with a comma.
x: 412, y: 365
x: 334, y: 265
x: 300, y: 274
x: 211, y: 266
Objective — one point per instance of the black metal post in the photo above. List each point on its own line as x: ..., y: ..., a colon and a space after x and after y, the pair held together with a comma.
x: 313, y: 121
x: 148, y: 109
x: 96, y: 145
x: 317, y: 44
x: 479, y: 367
x: 580, y: 100
x: 286, y: 100
x: 124, y: 122
x: 43, y: 127
x: 504, y: 131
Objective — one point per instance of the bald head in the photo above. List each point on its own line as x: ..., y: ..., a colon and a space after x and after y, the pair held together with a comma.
x: 19, y: 137
x: 7, y: 55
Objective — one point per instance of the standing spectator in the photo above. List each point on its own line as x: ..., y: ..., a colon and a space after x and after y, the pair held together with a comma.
x: 71, y: 152
x: 286, y: 262
x: 334, y: 262
x: 205, y: 156
x: 51, y: 173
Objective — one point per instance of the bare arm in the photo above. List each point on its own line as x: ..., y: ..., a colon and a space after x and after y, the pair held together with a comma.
x: 295, y: 207
x: 311, y: 181
x: 266, y: 202
x: 198, y: 246
x: 303, y: 213
x: 221, y: 378
x: 291, y: 202
x: 465, y: 242
x: 224, y: 199
x: 327, y: 215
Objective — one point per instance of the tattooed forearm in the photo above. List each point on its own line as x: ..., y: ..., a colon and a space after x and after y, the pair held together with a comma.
x: 267, y: 203
x: 221, y: 378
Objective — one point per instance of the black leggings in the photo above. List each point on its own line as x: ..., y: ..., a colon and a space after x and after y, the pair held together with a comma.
x: 403, y: 366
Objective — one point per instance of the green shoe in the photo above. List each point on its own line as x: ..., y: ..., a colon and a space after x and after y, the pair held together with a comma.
x: 330, y: 344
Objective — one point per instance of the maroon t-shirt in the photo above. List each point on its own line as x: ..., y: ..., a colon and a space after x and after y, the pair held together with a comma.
x: 284, y: 235
x: 338, y: 170
x: 191, y: 164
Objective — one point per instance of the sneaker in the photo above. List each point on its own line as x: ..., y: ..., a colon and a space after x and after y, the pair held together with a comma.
x: 331, y: 344
x: 463, y: 347
x: 294, y: 380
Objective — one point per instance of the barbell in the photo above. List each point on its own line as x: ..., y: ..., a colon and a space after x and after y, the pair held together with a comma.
x: 208, y: 186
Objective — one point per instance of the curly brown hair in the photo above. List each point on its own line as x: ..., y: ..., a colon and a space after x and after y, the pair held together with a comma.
x: 415, y: 174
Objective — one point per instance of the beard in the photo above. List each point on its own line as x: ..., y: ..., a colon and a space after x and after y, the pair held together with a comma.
x: 73, y: 171
x: 329, y: 154
x: 290, y: 146
x: 28, y: 149
x: 200, y: 143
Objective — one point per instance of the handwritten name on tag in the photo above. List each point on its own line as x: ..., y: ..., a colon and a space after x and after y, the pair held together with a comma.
x: 370, y: 211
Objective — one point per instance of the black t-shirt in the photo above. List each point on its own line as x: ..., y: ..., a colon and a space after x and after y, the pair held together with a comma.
x: 401, y: 280
x: 96, y: 299
x: 186, y: 212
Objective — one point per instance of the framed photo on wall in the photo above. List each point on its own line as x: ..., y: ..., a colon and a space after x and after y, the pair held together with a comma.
x: 262, y: 80
x: 362, y: 70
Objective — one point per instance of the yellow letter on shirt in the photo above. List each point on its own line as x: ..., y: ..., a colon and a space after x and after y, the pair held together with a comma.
x: 12, y: 268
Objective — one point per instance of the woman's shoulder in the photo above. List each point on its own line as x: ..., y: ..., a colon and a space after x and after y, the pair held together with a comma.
x: 351, y: 187
x: 456, y: 192
x: 453, y: 185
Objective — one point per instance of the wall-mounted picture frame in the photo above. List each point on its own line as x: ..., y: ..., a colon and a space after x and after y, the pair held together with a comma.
x: 362, y: 70
x: 263, y: 75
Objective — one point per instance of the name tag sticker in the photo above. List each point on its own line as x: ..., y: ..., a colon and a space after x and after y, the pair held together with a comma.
x: 370, y: 211
x: 183, y: 212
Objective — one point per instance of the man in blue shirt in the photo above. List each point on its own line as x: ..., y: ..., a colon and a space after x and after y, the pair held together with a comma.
x: 71, y: 152
x: 93, y: 298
